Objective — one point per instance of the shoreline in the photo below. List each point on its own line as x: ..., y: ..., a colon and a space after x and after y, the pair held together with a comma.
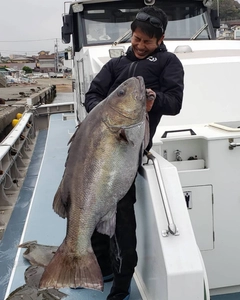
x: 15, y: 98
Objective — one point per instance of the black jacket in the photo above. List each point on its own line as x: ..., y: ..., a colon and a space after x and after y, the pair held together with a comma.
x: 162, y: 72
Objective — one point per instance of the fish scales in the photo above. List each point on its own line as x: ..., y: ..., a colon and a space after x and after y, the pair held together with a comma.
x: 102, y: 163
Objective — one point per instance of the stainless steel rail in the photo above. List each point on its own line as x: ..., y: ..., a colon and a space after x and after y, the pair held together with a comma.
x: 54, y: 108
x: 172, y: 228
x: 233, y: 145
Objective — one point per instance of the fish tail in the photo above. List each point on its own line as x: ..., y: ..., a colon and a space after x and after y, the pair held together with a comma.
x: 67, y: 269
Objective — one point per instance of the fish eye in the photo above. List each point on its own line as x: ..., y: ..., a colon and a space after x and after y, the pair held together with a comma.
x: 121, y: 93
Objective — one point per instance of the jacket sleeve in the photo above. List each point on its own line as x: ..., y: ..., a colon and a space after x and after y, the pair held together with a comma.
x: 99, y: 87
x: 169, y: 98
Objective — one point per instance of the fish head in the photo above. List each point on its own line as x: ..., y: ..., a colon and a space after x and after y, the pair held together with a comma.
x: 126, y: 105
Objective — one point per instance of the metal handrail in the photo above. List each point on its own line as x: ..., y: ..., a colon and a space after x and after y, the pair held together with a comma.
x: 233, y: 145
x: 172, y: 228
x: 13, y: 142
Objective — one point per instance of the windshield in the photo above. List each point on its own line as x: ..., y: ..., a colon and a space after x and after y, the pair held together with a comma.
x: 187, y: 28
x: 106, y: 25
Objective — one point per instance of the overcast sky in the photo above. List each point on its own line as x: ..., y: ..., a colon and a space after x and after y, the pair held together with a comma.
x: 29, y: 26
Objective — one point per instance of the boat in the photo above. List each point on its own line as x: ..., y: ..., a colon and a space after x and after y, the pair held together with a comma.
x: 188, y: 205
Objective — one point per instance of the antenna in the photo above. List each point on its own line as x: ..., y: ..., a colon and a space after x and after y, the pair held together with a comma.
x: 56, y: 55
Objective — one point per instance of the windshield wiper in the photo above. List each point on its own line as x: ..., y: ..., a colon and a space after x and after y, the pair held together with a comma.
x: 199, y: 32
x: 205, y: 25
x: 123, y: 38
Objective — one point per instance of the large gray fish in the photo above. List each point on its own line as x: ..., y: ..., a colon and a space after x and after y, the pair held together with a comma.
x: 102, y: 163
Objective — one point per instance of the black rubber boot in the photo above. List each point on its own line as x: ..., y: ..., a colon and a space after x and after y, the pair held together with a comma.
x: 119, y: 290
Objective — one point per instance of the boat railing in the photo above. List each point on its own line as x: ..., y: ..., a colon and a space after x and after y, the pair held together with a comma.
x: 14, y: 154
x: 54, y: 108
x: 169, y: 264
x: 172, y: 228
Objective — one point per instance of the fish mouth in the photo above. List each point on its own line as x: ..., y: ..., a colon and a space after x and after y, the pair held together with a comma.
x: 142, y: 93
x: 141, y: 83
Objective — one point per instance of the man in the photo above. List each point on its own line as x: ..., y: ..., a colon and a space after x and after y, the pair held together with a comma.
x: 163, y: 75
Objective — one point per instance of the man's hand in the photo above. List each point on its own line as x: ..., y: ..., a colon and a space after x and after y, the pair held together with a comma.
x: 151, y: 96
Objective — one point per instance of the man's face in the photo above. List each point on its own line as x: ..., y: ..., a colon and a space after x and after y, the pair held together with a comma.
x: 142, y: 44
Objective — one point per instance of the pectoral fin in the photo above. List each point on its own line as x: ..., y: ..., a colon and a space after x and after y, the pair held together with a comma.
x: 130, y: 134
x: 122, y: 135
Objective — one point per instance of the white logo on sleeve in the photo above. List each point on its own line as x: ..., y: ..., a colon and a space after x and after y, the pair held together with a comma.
x: 151, y: 58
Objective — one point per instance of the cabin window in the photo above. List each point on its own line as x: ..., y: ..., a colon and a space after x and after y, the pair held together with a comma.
x: 104, y: 23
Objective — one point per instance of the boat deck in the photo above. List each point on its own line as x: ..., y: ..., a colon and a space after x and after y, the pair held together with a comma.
x: 33, y: 217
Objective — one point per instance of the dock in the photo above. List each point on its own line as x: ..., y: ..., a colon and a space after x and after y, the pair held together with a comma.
x: 15, y: 98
